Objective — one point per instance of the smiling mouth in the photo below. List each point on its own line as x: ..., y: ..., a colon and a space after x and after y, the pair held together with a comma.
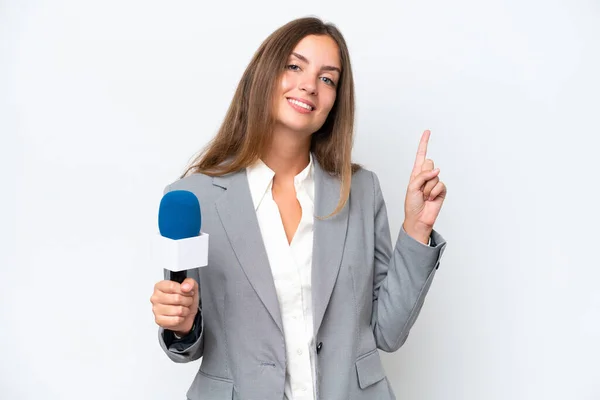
x: 301, y: 104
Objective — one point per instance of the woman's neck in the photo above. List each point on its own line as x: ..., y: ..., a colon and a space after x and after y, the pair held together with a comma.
x: 288, y: 154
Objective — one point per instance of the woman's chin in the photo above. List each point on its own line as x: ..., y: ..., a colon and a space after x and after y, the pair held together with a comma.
x: 298, y: 127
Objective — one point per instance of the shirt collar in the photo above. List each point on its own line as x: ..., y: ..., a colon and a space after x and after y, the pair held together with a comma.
x: 260, y: 180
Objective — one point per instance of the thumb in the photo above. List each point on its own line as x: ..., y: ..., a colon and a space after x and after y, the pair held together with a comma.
x: 188, y: 285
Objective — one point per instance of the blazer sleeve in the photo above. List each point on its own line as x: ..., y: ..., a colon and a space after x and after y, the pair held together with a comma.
x: 190, y: 347
x: 401, y: 278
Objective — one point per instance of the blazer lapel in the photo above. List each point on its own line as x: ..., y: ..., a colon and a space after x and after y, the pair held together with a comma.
x: 237, y: 214
x: 329, y: 239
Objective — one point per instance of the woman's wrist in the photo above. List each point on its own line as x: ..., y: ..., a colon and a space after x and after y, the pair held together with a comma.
x: 180, y: 335
x: 418, y: 233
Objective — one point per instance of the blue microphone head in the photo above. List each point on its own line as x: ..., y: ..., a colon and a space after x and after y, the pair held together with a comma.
x: 179, y: 215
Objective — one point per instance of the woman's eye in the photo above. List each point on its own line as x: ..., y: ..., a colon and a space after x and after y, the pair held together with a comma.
x: 328, y: 81
x: 293, y: 67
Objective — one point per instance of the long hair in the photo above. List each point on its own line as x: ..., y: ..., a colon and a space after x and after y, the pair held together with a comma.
x: 248, y: 126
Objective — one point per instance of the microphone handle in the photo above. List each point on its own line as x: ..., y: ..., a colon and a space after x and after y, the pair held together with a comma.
x: 177, y: 276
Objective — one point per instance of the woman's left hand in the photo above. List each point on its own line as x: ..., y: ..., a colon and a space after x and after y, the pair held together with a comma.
x: 424, y: 196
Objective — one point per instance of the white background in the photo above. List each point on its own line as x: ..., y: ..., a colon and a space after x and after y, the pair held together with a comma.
x: 103, y: 103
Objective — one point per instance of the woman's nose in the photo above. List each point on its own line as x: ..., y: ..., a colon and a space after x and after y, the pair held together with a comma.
x: 309, y: 85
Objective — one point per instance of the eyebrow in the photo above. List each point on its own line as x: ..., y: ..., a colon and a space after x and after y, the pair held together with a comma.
x: 324, y: 68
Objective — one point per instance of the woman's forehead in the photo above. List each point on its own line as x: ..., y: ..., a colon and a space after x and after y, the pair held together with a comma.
x: 321, y: 49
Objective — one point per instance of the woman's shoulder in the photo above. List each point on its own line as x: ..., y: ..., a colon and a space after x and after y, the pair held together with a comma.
x: 363, y: 178
x: 207, y: 187
x: 191, y: 182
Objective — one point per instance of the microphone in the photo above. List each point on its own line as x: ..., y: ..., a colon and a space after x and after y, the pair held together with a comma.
x: 184, y: 246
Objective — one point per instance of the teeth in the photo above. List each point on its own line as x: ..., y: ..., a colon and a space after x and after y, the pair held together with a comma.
x: 299, y: 103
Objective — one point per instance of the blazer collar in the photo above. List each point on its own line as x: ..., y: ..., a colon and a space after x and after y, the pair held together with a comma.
x: 328, y: 241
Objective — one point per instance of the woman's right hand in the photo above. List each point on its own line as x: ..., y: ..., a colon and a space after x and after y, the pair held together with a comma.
x: 175, y: 305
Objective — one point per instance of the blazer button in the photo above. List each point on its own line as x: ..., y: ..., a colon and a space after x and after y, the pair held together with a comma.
x: 319, y: 347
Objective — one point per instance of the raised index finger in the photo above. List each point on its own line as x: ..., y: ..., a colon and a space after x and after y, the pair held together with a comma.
x: 421, y: 153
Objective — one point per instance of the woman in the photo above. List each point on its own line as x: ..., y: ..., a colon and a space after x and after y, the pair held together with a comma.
x: 303, y: 285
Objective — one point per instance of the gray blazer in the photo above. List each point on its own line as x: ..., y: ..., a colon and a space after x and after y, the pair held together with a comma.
x: 366, y: 294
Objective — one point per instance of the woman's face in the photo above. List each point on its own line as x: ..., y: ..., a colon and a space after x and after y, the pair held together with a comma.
x: 308, y: 86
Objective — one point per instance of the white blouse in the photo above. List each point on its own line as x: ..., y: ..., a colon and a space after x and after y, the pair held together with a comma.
x: 291, y: 268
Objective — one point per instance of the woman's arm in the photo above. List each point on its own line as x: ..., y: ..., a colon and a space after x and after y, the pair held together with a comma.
x: 402, y: 276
